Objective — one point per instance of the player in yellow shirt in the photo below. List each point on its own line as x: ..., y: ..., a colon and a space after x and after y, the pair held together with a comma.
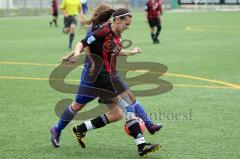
x: 71, y: 9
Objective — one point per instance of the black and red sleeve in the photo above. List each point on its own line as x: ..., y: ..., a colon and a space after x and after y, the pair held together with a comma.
x: 99, y: 33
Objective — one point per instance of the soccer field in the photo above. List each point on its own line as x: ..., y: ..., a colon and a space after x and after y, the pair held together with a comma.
x: 200, y: 114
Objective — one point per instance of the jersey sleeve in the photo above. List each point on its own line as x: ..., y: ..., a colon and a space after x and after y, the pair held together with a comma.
x: 101, y: 32
x: 160, y: 8
x: 63, y: 4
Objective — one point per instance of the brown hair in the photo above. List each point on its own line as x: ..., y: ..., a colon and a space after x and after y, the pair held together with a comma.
x: 98, y: 11
x: 101, y: 7
x: 103, y: 16
x: 122, y: 13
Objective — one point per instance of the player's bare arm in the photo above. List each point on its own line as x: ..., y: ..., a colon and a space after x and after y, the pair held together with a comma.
x: 135, y: 51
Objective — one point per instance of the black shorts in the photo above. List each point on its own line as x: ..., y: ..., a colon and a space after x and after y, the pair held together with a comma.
x: 112, y: 83
x: 70, y: 20
x: 154, y: 22
x: 55, y: 14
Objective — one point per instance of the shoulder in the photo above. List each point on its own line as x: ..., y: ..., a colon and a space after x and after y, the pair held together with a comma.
x: 104, y: 28
x: 102, y: 31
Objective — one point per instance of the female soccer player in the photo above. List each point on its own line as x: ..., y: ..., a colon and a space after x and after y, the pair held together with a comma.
x: 108, y: 40
x: 55, y: 13
x: 153, y: 14
x: 113, y: 115
x: 74, y: 57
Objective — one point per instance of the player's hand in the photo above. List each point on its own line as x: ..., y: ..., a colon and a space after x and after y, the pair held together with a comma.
x: 66, y: 58
x: 136, y: 50
x: 73, y: 59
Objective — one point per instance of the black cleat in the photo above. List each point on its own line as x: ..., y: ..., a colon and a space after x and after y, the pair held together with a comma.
x: 148, y: 148
x: 156, y: 41
x: 79, y: 135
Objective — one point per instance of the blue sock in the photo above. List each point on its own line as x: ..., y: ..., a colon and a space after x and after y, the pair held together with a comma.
x: 141, y: 113
x: 65, y: 119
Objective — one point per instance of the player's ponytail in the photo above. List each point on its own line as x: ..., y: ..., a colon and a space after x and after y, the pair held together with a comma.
x: 103, y: 16
x: 101, y: 7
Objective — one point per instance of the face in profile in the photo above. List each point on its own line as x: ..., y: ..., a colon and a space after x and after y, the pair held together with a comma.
x: 123, y: 24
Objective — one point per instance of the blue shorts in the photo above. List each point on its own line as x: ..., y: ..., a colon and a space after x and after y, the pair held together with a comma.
x: 81, y: 98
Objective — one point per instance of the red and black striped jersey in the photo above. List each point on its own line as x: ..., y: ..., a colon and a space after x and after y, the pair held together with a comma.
x: 105, y: 44
x: 153, y: 8
x: 55, y: 5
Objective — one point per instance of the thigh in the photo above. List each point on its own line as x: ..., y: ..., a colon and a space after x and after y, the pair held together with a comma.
x: 151, y: 23
x: 85, y: 92
x: 73, y: 20
x: 118, y: 84
x: 55, y: 13
x: 157, y: 22
x: 82, y: 99
x: 67, y: 22
x: 104, y: 82
x: 107, y: 92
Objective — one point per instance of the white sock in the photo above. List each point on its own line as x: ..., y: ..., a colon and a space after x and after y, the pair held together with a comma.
x: 89, y: 125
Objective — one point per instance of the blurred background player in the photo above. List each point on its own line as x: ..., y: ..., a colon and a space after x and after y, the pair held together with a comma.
x: 71, y: 9
x: 84, y: 6
x: 55, y: 13
x: 153, y: 15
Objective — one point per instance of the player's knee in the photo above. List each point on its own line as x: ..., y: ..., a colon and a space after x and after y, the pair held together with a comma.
x: 159, y: 28
x: 72, y: 29
x: 76, y: 106
x: 120, y: 115
x: 152, y: 29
